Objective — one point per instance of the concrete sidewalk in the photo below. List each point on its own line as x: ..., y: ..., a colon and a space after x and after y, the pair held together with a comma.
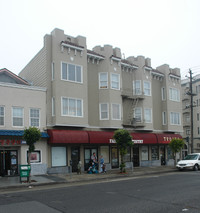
x: 14, y: 182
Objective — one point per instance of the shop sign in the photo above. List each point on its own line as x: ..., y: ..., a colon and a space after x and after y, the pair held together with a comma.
x: 169, y: 138
x: 137, y: 141
x: 9, y: 142
x: 112, y: 141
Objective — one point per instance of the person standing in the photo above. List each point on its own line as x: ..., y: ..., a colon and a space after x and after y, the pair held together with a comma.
x: 102, y: 165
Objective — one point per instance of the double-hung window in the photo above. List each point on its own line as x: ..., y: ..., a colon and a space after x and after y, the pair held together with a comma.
x: 103, y: 111
x: 115, y: 81
x: 53, y: 106
x: 175, y: 118
x: 164, y: 118
x: 35, y: 117
x: 18, y: 116
x: 174, y: 94
x: 137, y: 88
x: 72, y: 107
x: 147, y: 88
x: 103, y: 80
x: 163, y: 94
x: 138, y: 114
x: 148, y: 115
x: 2, y: 115
x: 71, y: 72
x: 116, y: 112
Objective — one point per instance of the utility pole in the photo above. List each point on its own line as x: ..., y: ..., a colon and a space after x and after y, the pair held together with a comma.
x: 191, y: 112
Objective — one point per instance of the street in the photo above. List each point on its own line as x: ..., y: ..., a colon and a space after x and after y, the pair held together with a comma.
x: 169, y: 193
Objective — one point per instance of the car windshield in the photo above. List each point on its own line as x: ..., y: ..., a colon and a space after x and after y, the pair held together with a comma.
x: 191, y: 157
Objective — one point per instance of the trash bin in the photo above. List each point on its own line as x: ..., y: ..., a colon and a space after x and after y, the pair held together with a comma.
x: 24, y: 171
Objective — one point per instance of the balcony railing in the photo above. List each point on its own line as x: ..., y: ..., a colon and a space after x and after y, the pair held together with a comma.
x: 127, y: 93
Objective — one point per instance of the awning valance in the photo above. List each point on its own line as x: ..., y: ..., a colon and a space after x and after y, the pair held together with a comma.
x: 100, y: 137
x: 67, y: 136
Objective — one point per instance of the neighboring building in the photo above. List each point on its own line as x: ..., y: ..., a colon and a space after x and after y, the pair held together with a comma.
x: 186, y: 103
x: 21, y: 105
x: 91, y: 93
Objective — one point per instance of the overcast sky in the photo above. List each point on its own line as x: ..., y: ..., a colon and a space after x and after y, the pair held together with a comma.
x: 167, y: 31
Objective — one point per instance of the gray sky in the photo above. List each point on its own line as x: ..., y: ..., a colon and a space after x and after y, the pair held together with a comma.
x: 167, y: 31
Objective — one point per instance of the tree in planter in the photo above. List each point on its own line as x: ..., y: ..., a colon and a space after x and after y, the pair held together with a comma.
x: 176, y: 145
x: 123, y: 140
x: 31, y: 135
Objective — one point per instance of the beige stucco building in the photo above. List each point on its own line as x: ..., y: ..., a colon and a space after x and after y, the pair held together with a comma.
x: 21, y: 106
x: 91, y: 93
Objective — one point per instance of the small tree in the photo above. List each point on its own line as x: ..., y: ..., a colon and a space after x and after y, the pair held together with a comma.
x: 123, y: 140
x: 176, y: 145
x: 31, y: 135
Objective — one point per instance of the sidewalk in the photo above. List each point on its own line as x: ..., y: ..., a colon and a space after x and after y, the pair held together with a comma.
x: 14, y: 182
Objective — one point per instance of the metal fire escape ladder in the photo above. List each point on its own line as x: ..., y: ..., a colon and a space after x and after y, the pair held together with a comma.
x: 133, y: 106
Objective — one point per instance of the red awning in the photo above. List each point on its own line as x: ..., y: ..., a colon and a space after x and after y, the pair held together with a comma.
x: 67, y: 136
x: 100, y: 137
x: 166, y: 138
x: 144, y: 138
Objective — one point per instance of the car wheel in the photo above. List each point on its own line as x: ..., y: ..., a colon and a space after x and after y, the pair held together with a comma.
x: 196, y: 167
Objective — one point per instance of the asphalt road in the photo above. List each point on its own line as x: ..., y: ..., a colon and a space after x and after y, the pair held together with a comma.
x: 169, y: 193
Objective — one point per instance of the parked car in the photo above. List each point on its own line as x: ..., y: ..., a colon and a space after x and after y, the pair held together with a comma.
x: 191, y: 161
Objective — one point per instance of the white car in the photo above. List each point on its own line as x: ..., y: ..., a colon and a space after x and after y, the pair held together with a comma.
x: 191, y: 161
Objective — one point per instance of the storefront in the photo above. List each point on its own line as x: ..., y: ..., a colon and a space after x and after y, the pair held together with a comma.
x: 149, y: 149
x: 14, y: 151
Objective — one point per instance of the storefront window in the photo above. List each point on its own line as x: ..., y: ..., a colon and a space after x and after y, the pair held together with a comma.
x: 104, y: 151
x: 59, y: 156
x: 145, y: 153
x: 154, y: 153
x: 169, y: 154
x: 127, y: 156
x: 35, y: 157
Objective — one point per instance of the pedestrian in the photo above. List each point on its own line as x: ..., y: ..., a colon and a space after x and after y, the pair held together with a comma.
x: 102, y: 165
x: 94, y: 159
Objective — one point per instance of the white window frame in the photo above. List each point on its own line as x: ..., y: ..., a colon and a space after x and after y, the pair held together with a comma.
x: 76, y: 107
x: 101, y: 111
x: 119, y: 105
x: 3, y: 116
x: 136, y: 119
x: 53, y: 106
x: 149, y: 89
x: 38, y: 155
x: 164, y: 118
x: 30, y: 118
x: 52, y: 71
x: 74, y: 81
x: 163, y: 93
x: 60, y: 152
x: 18, y: 116
x: 172, y: 118
x: 174, y: 94
x: 145, y: 115
x: 137, y: 91
x: 112, y: 81
x: 102, y: 81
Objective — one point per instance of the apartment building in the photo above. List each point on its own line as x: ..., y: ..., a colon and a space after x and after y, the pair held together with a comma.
x: 20, y: 108
x: 91, y: 93
x: 186, y: 104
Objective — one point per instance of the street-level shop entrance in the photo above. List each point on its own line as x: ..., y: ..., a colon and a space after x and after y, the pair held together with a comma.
x: 114, y: 157
x: 87, y: 156
x: 75, y: 157
x: 8, y: 162
x: 136, y: 159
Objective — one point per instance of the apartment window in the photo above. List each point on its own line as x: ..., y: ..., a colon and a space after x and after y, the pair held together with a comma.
x: 187, y: 131
x: 53, y: 106
x: 104, y: 111
x: 71, y: 72
x: 103, y: 80
x: 198, y: 130
x: 138, y: 114
x: 148, y: 115
x: 175, y: 118
x: 137, y: 88
x: 116, y: 112
x: 18, y: 116
x: 72, y: 107
x: 52, y: 71
x: 163, y: 93
x: 164, y: 118
x: 197, y: 116
x: 147, y: 88
x: 59, y: 156
x: 174, y: 94
x: 2, y: 115
x: 187, y: 118
x: 35, y: 117
x: 115, y: 83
